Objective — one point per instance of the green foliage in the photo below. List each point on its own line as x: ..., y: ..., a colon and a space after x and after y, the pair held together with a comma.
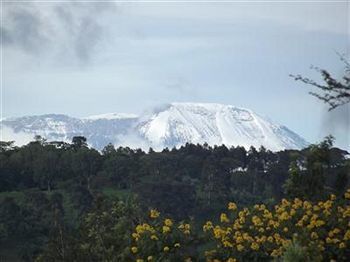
x: 308, y: 172
x: 47, y: 189
x: 103, y: 235
x: 295, y: 253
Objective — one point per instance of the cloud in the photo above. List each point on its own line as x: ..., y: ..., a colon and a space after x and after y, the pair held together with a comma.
x: 337, y: 123
x: 71, y: 30
x: 20, y: 138
x: 132, y: 140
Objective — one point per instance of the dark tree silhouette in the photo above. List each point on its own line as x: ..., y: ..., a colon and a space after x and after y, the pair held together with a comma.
x: 333, y: 92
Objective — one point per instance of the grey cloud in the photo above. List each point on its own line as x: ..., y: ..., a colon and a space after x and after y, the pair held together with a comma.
x: 337, y: 123
x: 21, y: 28
x: 71, y: 29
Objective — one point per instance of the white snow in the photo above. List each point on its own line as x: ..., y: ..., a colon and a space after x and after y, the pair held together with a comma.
x: 215, y: 124
x: 167, y: 126
x: 110, y: 116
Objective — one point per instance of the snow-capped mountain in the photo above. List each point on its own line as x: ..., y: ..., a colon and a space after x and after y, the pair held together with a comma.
x: 171, y: 125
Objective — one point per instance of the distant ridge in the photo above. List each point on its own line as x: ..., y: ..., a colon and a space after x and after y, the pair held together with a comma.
x: 170, y: 125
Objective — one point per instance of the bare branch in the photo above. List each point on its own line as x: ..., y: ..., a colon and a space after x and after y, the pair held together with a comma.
x: 333, y: 92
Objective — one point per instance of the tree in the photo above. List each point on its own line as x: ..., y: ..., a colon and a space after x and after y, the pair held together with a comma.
x: 46, y: 167
x: 86, y: 164
x: 6, y: 145
x: 103, y: 235
x: 333, y: 92
x: 109, y: 150
x: 79, y: 141
x: 293, y: 185
x: 307, y: 175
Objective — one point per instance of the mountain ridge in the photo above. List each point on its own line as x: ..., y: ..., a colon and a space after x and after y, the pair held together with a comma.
x: 169, y: 125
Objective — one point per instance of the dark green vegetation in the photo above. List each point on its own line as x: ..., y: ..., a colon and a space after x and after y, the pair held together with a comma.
x: 68, y: 202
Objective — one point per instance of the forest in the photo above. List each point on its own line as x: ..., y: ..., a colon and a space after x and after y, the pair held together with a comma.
x: 69, y: 202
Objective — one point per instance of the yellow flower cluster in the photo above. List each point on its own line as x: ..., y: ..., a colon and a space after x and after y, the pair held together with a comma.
x: 266, y: 233
x: 160, y: 239
x: 185, y: 228
x: 255, y: 234
x: 153, y: 213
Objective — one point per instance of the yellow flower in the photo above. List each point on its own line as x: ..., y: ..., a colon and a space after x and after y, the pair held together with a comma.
x: 284, y: 216
x: 319, y: 223
x: 134, y: 250
x: 231, y: 260
x: 314, y: 235
x: 240, y: 247
x: 347, y: 194
x: 285, y: 229
x: 276, y: 253
x: 232, y: 206
x: 262, y: 207
x: 267, y: 214
x: 208, y: 225
x: 239, y: 239
x: 139, y: 260
x: 166, y: 229
x: 218, y: 232
x: 333, y: 197
x: 227, y: 243
x: 143, y: 228
x: 224, y: 218
x: 257, y: 221
x: 254, y: 246
x: 177, y: 245
x: 154, y: 213
x: 292, y: 212
x: 187, y: 226
x: 307, y: 205
x: 285, y: 202
x: 342, y: 245
x: 154, y: 237
x: 168, y: 222
x: 330, y: 234
x: 300, y: 223
x: 166, y: 249
x: 136, y: 236
x: 149, y: 258
x: 336, y: 230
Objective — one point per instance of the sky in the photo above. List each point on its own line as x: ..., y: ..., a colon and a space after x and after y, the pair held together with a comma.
x: 87, y: 58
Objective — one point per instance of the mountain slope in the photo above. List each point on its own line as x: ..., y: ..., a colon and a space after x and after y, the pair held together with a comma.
x: 218, y: 124
x: 99, y: 130
x: 171, y: 125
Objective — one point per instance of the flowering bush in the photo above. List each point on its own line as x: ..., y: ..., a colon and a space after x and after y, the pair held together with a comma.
x: 293, y: 230
x: 161, y: 240
x: 322, y: 230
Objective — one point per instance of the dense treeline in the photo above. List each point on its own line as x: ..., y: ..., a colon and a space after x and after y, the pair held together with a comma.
x: 52, y: 193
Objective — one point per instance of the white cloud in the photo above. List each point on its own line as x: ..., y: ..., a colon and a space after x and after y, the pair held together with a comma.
x: 20, y: 138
